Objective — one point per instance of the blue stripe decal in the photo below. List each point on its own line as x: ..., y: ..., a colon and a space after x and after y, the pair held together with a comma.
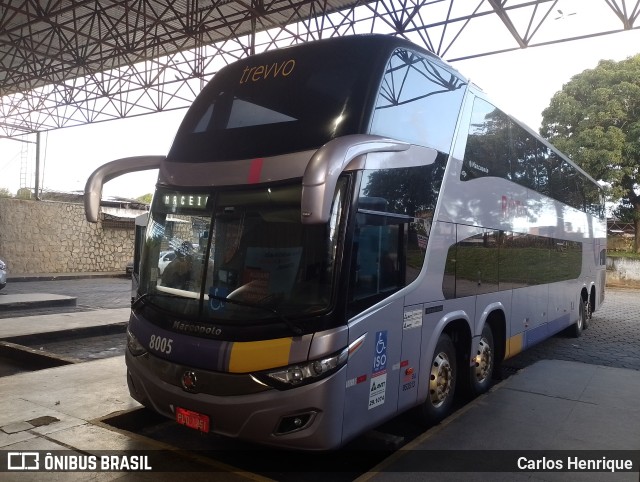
x: 546, y: 330
x: 185, y: 349
x: 559, y: 324
x: 535, y: 335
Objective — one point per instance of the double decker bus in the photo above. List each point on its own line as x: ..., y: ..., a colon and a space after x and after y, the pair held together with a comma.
x: 357, y: 231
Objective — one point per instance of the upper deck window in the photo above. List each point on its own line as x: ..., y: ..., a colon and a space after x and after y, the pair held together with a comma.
x: 244, y: 114
x: 280, y: 102
x: 419, y: 101
x: 499, y: 147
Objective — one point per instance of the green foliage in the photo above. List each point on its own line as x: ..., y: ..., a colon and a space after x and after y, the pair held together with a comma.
x: 4, y: 192
x: 625, y: 211
x: 146, y: 198
x: 624, y: 254
x: 595, y: 119
x: 24, y: 193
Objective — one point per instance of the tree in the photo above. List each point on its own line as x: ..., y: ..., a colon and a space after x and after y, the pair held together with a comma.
x: 624, y: 211
x: 145, y: 198
x: 595, y: 120
x: 24, y: 193
x: 4, y: 192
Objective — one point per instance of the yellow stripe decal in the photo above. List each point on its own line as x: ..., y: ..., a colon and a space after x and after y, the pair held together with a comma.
x: 252, y: 356
x: 514, y: 345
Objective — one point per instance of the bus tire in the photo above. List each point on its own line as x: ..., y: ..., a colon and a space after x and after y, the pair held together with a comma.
x: 442, y: 381
x: 587, y: 312
x: 481, y: 373
x: 578, y: 326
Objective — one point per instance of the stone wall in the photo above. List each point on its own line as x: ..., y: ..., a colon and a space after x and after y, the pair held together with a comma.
x: 623, y: 272
x: 55, y: 237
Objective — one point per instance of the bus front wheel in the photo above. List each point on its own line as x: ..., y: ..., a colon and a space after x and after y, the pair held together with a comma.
x: 442, y: 381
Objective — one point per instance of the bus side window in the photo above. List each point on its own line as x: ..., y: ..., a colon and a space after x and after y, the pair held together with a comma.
x: 488, y: 151
x: 392, y: 227
x: 377, y: 268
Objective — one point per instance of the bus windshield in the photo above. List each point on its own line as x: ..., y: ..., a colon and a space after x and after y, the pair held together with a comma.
x: 239, y: 255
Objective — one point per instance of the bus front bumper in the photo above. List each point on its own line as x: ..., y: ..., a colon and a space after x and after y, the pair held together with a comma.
x: 305, y: 418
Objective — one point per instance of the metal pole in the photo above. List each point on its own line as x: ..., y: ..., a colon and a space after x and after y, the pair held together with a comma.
x: 37, y: 188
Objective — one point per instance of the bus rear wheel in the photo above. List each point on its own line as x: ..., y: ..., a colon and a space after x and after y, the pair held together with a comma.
x: 588, y: 313
x: 442, y: 381
x: 481, y: 372
x: 579, y: 325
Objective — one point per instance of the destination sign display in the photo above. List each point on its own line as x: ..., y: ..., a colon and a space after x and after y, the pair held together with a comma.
x: 178, y: 200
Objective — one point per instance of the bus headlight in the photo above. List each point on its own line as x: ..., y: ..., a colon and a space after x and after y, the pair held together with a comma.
x: 304, y: 373
x: 135, y: 347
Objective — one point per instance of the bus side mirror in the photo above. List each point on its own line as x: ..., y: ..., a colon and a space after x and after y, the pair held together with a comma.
x: 111, y: 170
x: 326, y: 165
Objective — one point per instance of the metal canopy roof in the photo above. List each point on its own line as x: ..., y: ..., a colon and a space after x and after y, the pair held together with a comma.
x: 72, y: 62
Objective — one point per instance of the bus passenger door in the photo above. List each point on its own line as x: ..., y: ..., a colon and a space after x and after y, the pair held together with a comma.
x: 410, y: 357
x: 372, y: 379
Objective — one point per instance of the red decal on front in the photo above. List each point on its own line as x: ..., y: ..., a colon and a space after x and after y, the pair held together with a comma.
x: 254, y: 171
x: 404, y: 363
x: 361, y: 378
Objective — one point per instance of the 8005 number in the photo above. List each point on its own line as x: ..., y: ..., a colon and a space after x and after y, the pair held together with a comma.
x: 161, y: 344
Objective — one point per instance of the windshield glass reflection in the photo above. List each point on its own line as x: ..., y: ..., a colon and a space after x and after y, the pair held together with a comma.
x: 239, y: 255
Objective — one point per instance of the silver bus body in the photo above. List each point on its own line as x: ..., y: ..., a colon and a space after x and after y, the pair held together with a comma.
x: 483, y: 240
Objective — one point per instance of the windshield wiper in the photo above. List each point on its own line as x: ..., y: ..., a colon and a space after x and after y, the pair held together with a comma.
x: 144, y: 298
x: 295, y: 329
x: 140, y: 299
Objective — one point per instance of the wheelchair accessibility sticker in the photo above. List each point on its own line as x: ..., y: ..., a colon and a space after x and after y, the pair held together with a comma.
x: 379, y: 376
x: 216, y: 297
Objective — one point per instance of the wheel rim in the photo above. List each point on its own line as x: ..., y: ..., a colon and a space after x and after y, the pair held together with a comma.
x: 441, y: 379
x: 484, y: 360
x: 581, y: 317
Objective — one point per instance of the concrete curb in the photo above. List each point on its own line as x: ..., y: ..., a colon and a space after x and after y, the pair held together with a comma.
x: 32, y: 358
x: 36, y: 300
x: 18, y: 278
x: 76, y: 332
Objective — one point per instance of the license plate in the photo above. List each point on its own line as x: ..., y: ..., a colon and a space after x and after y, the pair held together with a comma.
x: 191, y: 419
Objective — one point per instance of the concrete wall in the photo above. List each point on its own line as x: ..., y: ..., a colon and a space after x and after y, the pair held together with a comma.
x: 54, y: 237
x: 623, y: 271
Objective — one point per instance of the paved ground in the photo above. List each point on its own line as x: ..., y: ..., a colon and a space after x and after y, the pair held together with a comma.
x: 91, y: 294
x: 612, y: 339
x: 541, y: 408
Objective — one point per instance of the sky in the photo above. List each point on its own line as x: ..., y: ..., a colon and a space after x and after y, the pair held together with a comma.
x: 521, y: 82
